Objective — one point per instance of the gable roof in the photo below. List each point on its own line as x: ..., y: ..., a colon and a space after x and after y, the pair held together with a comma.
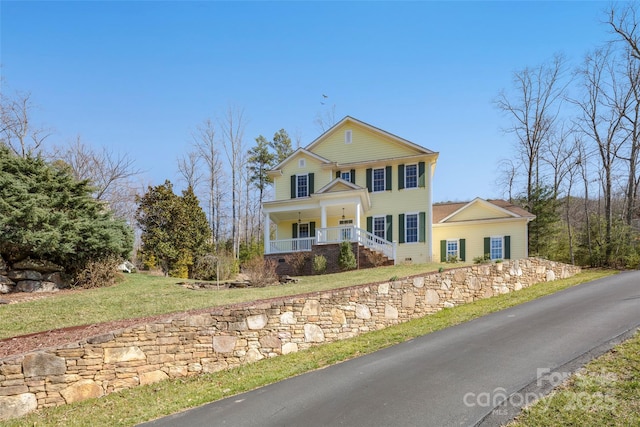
x: 389, y: 135
x: 298, y: 152
x: 445, y: 211
x: 338, y: 184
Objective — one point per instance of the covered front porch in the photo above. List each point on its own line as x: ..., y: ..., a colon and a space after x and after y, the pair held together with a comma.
x: 320, y: 219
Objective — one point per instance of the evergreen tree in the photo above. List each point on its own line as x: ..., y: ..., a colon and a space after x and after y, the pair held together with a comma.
x: 281, y: 145
x: 45, y: 213
x: 346, y: 259
x: 175, y: 230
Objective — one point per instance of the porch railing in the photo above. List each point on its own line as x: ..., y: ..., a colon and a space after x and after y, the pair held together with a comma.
x: 291, y: 245
x: 335, y: 235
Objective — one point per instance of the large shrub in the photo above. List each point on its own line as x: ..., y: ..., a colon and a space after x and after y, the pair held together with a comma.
x: 47, y: 214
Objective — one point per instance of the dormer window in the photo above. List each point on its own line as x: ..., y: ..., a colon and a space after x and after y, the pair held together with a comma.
x: 346, y: 175
x: 347, y: 136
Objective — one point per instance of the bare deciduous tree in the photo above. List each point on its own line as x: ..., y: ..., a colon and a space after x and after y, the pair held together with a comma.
x: 232, y: 126
x: 110, y: 174
x: 534, y: 110
x: 16, y: 127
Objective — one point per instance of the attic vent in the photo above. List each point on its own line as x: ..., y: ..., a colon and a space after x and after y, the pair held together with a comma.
x: 302, y: 163
x: 347, y: 137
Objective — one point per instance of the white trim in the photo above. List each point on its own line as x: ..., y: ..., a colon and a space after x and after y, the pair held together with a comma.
x: 417, y: 214
x: 384, y: 180
x: 405, y: 176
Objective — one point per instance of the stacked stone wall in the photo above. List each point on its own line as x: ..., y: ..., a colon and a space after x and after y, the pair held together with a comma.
x: 191, y: 344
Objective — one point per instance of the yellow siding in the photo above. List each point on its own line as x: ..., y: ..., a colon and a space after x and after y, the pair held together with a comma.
x: 478, y: 211
x: 365, y: 146
x: 283, y: 184
x: 474, y: 235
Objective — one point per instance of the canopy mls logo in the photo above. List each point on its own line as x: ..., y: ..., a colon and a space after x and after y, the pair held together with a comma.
x: 546, y: 379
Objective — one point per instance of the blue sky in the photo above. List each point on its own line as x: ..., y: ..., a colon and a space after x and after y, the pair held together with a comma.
x: 139, y: 77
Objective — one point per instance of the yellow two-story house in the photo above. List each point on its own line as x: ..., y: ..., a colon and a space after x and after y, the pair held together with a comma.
x: 365, y: 185
x: 355, y: 182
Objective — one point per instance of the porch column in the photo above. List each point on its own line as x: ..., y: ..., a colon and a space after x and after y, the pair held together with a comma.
x: 267, y: 234
x: 323, y: 217
x: 358, y: 206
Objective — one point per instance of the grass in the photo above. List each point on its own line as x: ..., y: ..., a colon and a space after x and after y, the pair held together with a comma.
x: 156, y: 400
x: 142, y: 295
x: 606, y: 392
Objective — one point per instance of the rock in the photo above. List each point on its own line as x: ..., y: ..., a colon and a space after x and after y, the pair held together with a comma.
x: 55, y: 278
x: 288, y: 318
x: 363, y: 312
x: 409, y: 300
x: 39, y: 265
x: 82, y: 390
x: 17, y: 275
x: 257, y: 321
x: 432, y: 297
x: 126, y: 267
x: 123, y: 354
x: 224, y: 343
x: 311, y: 308
x: 153, y: 377
x: 43, y: 364
x: 390, y: 312
x: 290, y: 347
x: 313, y: 333
x: 28, y: 286
x: 17, y: 406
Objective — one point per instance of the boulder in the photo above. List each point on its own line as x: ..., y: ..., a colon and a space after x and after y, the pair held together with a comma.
x: 17, y: 275
x: 39, y: 265
x: 28, y: 286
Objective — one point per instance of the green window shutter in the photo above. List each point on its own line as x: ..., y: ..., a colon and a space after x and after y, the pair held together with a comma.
x: 487, y: 246
x: 422, y: 226
x: 389, y: 225
x: 370, y: 224
x: 369, y: 180
x: 507, y: 247
x: 352, y: 174
x: 401, y: 228
x: 387, y: 174
x: 312, y: 229
x: 337, y: 174
x: 462, y: 250
x: 443, y: 251
x: 310, y: 179
x: 421, y: 177
x: 294, y: 231
x: 293, y: 186
x: 400, y: 177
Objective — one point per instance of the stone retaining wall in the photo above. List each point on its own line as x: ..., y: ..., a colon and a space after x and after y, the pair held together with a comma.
x: 190, y: 344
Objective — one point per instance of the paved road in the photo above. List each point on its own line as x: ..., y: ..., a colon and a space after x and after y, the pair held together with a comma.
x: 454, y: 377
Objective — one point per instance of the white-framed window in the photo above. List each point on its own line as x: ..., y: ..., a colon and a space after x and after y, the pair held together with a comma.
x: 302, y: 185
x: 346, y: 175
x: 303, y: 230
x: 496, y: 247
x: 411, y: 224
x: 346, y: 232
x: 453, y: 249
x: 347, y: 137
x: 411, y: 176
x: 302, y: 163
x: 380, y: 226
x: 379, y: 179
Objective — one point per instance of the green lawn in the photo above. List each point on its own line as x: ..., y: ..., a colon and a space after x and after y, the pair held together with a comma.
x: 142, y: 295
x: 137, y: 405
